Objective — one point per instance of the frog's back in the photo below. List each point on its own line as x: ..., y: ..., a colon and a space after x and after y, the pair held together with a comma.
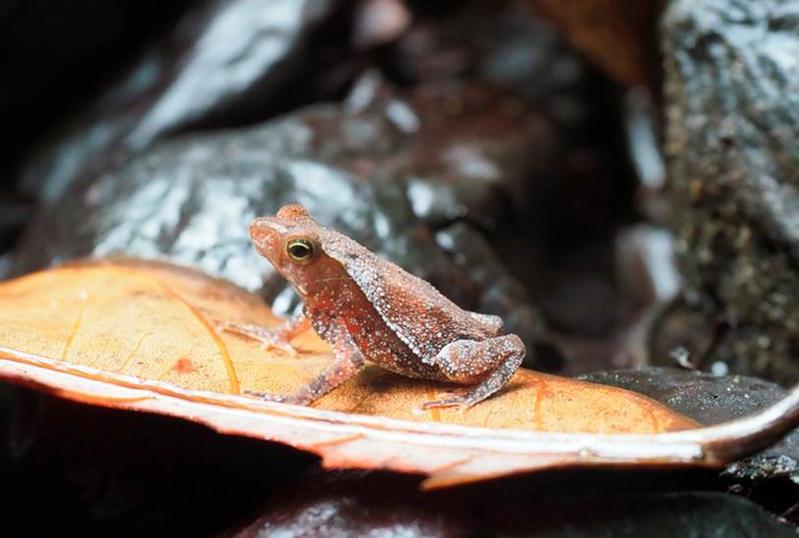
x: 423, y: 318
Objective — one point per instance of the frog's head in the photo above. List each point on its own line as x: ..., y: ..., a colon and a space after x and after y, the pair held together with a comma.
x: 290, y: 241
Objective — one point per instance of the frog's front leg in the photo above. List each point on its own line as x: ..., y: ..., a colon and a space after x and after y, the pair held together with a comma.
x: 348, y: 362
x: 278, y: 338
x: 487, y: 363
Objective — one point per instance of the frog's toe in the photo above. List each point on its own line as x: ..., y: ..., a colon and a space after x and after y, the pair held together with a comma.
x: 223, y: 326
x: 263, y: 396
x: 464, y: 402
x: 294, y: 399
x: 285, y: 347
x: 267, y: 338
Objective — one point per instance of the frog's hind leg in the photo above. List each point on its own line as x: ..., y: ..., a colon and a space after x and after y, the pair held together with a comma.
x: 487, y: 363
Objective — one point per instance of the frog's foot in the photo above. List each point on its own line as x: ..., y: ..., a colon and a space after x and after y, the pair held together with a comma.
x: 487, y: 364
x: 464, y: 401
x: 268, y: 339
x: 294, y: 399
x: 265, y: 396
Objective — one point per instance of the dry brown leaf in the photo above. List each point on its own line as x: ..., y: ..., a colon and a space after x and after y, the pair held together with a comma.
x: 142, y: 336
x: 618, y: 36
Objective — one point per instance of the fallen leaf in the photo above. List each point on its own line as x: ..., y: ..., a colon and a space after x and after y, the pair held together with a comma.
x: 142, y: 336
x: 184, y: 366
x: 618, y: 36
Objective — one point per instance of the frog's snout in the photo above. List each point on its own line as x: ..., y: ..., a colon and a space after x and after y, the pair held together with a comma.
x: 263, y: 227
x: 265, y: 233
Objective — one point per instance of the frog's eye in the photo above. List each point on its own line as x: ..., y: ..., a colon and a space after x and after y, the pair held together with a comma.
x: 300, y: 250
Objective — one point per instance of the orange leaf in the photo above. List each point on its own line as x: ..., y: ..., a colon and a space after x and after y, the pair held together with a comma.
x: 142, y: 336
x: 616, y: 35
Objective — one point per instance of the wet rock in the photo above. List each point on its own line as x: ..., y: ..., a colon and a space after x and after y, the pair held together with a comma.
x: 642, y: 130
x: 357, y: 167
x: 645, y: 265
x: 479, y: 154
x: 358, y: 504
x: 54, y: 54
x: 710, y: 399
x: 731, y: 149
x: 513, y: 49
x: 378, y: 22
x: 705, y: 398
x: 13, y: 215
x: 518, y: 50
x: 226, y: 62
x: 680, y: 327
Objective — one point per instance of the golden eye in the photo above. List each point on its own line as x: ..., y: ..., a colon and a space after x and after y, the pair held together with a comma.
x: 300, y: 250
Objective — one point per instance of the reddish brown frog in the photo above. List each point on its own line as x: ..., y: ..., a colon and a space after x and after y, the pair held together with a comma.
x: 369, y: 309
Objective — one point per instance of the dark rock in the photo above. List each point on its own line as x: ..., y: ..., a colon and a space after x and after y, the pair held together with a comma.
x: 9, y: 403
x: 518, y: 50
x: 508, y: 46
x: 710, y: 399
x: 731, y: 103
x: 54, y: 54
x: 155, y: 476
x: 358, y: 167
x: 680, y: 327
x: 227, y: 62
x: 366, y: 504
x: 14, y: 213
x: 706, y: 398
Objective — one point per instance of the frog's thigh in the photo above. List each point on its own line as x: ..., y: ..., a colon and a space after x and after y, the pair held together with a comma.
x: 469, y: 361
x: 489, y: 365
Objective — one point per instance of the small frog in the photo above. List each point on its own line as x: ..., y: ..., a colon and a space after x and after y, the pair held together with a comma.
x: 369, y: 309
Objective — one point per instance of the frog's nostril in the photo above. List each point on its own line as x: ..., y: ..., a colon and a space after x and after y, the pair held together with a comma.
x: 266, y: 234
x: 257, y: 229
x: 264, y: 227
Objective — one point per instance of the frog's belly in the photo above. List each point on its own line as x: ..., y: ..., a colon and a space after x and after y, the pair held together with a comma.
x: 382, y: 347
